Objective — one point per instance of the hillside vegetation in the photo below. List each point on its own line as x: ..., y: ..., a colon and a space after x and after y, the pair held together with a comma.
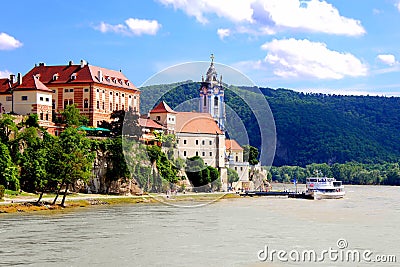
x: 311, y: 128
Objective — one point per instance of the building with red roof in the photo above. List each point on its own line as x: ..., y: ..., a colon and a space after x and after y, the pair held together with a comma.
x: 96, y: 91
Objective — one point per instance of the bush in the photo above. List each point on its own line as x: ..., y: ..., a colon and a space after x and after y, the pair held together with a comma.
x: 2, y: 189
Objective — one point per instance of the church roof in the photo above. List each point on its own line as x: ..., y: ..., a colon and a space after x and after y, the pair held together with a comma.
x: 196, y: 122
x: 231, y: 144
x: 162, y: 107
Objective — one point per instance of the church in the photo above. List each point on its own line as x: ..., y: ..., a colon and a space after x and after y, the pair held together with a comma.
x: 203, y: 133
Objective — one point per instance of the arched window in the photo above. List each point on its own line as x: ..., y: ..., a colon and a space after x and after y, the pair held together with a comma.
x: 216, y: 101
x: 86, y: 103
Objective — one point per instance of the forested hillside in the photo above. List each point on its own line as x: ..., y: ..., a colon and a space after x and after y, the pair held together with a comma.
x: 311, y: 128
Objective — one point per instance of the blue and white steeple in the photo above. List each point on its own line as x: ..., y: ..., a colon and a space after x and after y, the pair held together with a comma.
x: 212, y: 95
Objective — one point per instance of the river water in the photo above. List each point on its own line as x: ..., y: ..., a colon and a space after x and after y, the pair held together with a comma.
x: 229, y: 232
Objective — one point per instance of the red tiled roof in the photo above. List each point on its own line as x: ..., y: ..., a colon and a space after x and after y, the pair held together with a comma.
x: 196, y: 122
x: 162, y: 107
x: 32, y: 83
x: 85, y: 74
x: 231, y: 144
x: 147, y: 123
x: 5, y: 85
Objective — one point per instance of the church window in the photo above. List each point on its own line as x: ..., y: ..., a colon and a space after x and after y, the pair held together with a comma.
x: 216, y: 101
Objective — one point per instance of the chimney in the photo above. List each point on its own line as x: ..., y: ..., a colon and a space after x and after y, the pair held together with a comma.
x: 100, y: 75
x: 83, y: 63
x: 41, y: 64
x: 19, y: 78
x: 70, y: 63
x: 12, y: 76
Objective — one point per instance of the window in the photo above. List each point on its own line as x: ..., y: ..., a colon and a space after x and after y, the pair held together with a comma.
x: 47, y: 116
x: 241, y: 168
x: 47, y: 99
x: 197, y: 142
x: 98, y: 104
x: 197, y: 153
x: 8, y: 98
x: 110, y: 93
x: 73, y: 76
x: 65, y: 103
x: 123, y: 107
x: 55, y: 77
x: 86, y: 103
x: 205, y: 100
x: 204, y: 154
x: 86, y: 90
x: 103, y: 92
x: 97, y: 90
x: 41, y: 98
x: 54, y: 91
x: 158, y: 118
x: 53, y: 105
x: 130, y: 97
x: 134, y: 97
x: 123, y: 95
x: 116, y: 94
x: 184, y: 153
x: 111, y: 106
x: 71, y: 90
x: 210, y: 154
x: 24, y: 98
x: 203, y: 142
x: 237, y: 158
x: 184, y: 142
x: 66, y: 90
x: 41, y: 116
x: 177, y: 141
x: 116, y: 106
x: 103, y: 106
x: 216, y: 101
x: 210, y: 142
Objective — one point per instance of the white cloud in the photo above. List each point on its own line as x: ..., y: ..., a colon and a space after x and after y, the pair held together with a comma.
x: 234, y: 10
x: 8, y: 42
x: 5, y: 73
x: 222, y: 33
x: 398, y: 5
x: 132, y: 26
x: 387, y: 59
x: 273, y: 15
x: 303, y: 58
x: 312, y: 15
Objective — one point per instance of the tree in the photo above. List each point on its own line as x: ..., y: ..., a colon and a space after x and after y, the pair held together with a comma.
x: 116, y: 164
x: 199, y: 174
x: 72, y: 117
x: 32, y: 121
x: 9, y: 171
x: 250, y: 154
x: 166, y: 169
x: 72, y: 159
x: 232, y: 176
x: 7, y: 127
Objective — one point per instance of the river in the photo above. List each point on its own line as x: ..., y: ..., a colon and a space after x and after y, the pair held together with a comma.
x: 230, y: 232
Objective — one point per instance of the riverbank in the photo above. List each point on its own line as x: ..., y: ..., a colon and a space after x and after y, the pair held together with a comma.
x: 29, y: 203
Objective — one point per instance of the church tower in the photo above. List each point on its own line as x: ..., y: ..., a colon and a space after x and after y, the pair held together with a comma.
x: 212, y: 95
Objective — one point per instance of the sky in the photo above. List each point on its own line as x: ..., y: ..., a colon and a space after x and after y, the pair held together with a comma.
x: 333, y: 46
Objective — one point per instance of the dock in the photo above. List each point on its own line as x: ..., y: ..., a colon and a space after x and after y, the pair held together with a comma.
x: 288, y: 194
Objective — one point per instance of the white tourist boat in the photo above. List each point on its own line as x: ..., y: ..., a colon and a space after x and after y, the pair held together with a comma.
x: 323, y: 187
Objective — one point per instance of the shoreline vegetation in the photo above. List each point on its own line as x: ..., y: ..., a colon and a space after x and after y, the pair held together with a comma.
x: 27, y: 204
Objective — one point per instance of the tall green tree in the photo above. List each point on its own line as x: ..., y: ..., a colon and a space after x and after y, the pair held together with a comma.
x: 72, y: 116
x: 250, y: 154
x: 9, y: 171
x: 72, y: 159
x: 7, y: 128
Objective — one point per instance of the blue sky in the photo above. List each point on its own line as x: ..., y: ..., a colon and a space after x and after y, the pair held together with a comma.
x: 335, y: 46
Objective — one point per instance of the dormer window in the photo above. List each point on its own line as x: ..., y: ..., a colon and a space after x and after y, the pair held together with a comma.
x: 55, y: 77
x: 73, y: 76
x: 120, y: 82
x: 127, y: 82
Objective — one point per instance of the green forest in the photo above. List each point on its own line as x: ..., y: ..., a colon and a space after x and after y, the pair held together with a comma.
x: 310, y: 128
